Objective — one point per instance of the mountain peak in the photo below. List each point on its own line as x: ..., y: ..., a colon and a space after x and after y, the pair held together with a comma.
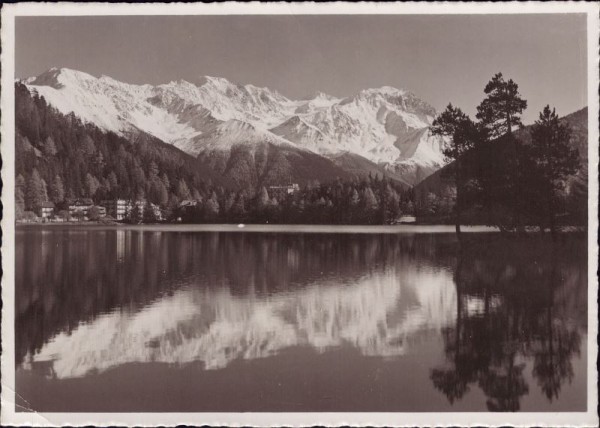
x: 219, y: 82
x: 383, y: 90
x: 58, y: 77
x: 318, y: 95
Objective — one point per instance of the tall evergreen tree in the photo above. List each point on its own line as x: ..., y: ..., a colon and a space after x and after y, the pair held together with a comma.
x: 369, y: 205
x: 553, y: 157
x: 49, y: 147
x: 500, y: 111
x: 34, y: 195
x: 462, y: 135
x: 183, y: 191
x: 390, y: 204
x: 91, y: 185
x: 502, y: 172
x: 238, y: 210
x: 211, y: 207
x: 44, y: 191
x: 57, y: 190
x: 263, y: 197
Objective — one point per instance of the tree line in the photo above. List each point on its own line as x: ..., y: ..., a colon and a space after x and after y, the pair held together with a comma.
x: 367, y: 200
x: 513, y: 182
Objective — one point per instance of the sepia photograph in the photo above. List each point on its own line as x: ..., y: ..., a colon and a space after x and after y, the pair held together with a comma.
x: 267, y: 214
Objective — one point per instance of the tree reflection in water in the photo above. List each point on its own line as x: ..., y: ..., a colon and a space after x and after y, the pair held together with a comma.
x: 515, y: 301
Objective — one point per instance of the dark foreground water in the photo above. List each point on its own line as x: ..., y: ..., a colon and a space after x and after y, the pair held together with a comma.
x: 112, y: 320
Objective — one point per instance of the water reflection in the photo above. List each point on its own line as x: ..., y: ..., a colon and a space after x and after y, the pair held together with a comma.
x: 515, y: 302
x: 510, y: 315
x: 229, y: 297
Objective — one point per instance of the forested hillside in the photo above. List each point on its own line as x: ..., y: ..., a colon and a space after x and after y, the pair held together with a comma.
x: 59, y: 158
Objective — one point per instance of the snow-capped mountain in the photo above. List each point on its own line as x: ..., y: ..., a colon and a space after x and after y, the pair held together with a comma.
x: 388, y: 127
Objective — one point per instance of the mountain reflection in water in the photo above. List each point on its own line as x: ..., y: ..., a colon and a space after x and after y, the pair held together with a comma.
x: 510, y: 316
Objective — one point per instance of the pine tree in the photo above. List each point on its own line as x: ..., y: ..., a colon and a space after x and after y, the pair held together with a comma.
x: 262, y: 199
x: 432, y: 203
x: 34, y: 195
x: 98, y: 161
x: 553, y: 157
x: 183, y: 191
x: 500, y: 111
x: 88, y: 147
x: 57, y: 190
x: 166, y: 182
x: 113, y: 183
x: 49, y: 148
x: 91, y: 185
x: 354, y: 198
x: 152, y: 171
x: 369, y: 205
x: 44, y: 191
x: 159, y: 192
x: 238, y: 209
x: 390, y: 205
x: 502, y: 172
x: 196, y: 196
x: 228, y: 205
x: 462, y: 135
x: 211, y: 207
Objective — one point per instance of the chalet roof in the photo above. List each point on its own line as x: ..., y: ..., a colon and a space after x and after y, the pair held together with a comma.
x: 47, y: 204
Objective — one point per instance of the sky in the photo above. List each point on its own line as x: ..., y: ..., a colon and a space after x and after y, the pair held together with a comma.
x: 440, y: 58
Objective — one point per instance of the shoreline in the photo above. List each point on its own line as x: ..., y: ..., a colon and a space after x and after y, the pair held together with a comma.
x: 263, y: 228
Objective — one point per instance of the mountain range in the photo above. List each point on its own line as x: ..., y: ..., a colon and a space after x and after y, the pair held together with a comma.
x: 256, y: 135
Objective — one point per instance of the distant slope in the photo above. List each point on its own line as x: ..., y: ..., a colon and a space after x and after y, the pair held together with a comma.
x: 358, y: 165
x: 270, y: 164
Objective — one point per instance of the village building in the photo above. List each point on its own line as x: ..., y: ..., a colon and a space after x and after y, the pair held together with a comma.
x: 405, y: 219
x: 281, y: 192
x: 117, y: 208
x: 80, y: 207
x: 188, y: 203
x: 101, y: 210
x: 46, y: 210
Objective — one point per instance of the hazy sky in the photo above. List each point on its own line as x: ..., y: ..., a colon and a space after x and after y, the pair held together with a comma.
x: 440, y: 58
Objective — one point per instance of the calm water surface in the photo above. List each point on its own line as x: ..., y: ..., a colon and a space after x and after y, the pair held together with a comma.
x: 112, y: 320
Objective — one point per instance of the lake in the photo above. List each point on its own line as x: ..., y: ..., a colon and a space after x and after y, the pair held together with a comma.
x: 184, y: 319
